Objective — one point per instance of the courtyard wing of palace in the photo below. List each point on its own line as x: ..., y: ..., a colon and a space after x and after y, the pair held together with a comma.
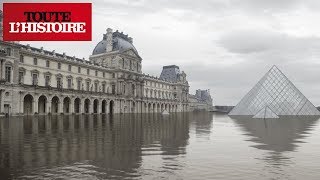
x: 37, y: 81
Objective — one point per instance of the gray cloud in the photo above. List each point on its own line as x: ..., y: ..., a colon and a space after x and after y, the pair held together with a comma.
x: 246, y: 42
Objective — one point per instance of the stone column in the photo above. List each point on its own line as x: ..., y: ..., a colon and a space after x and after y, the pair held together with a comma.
x: 1, y: 68
x: 21, y: 105
x: 99, y: 106
x: 91, y: 107
x: 60, y: 106
x: 107, y: 106
x: 81, y: 106
x: 71, y: 106
x: 48, y: 107
x: 35, y: 106
x: 129, y: 106
x: 1, y: 101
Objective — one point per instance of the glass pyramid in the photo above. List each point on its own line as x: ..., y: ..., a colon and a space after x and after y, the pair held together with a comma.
x: 274, y: 93
x: 266, y: 113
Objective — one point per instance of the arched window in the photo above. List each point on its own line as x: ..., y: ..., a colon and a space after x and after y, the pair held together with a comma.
x: 35, y: 75
x: 35, y: 61
x: 21, y: 58
x: 8, y: 73
x: 21, y: 75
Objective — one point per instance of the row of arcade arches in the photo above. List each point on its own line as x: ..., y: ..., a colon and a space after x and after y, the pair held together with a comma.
x: 65, y: 105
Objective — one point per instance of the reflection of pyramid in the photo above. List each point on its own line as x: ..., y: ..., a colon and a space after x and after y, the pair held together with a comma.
x: 274, y: 93
x: 277, y: 135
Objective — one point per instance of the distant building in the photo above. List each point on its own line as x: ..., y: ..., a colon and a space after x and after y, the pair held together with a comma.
x: 201, y: 101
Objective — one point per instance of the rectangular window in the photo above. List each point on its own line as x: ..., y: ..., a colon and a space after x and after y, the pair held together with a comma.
x: 103, y: 88
x: 47, y: 63
x: 69, y: 67
x: 69, y: 83
x: 79, y: 85
x: 113, y: 88
x: 96, y: 87
x: 79, y: 69
x: 34, y: 79
x: 21, y: 58
x: 21, y: 74
x: 35, y: 61
x: 47, y: 81
x: 113, y: 75
x: 96, y: 73
x: 88, y: 71
x: 8, y: 74
x: 104, y: 74
x: 88, y: 86
x: 9, y: 51
x: 59, y: 65
x: 59, y: 83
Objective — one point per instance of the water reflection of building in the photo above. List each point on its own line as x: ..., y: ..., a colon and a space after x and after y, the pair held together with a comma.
x: 202, y: 123
x: 112, y: 143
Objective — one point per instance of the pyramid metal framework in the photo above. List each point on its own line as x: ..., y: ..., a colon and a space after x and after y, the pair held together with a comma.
x: 275, y: 95
x: 266, y: 113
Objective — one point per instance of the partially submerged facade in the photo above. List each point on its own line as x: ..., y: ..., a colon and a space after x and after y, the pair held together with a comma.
x: 37, y: 81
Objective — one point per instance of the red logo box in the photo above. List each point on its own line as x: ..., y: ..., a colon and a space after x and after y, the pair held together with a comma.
x: 47, y: 21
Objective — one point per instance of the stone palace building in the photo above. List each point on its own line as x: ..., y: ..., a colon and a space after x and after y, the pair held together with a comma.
x: 37, y: 81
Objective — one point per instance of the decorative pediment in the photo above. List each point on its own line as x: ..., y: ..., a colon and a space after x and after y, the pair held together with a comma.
x: 59, y: 75
x: 132, y: 53
x: 47, y: 73
x: 79, y: 78
x: 34, y: 71
x: 69, y: 77
x: 22, y: 69
x: 9, y: 63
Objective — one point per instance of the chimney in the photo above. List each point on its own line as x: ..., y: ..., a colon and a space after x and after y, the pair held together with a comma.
x: 109, y: 40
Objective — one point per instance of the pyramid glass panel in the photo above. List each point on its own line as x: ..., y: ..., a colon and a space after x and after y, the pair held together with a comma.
x: 266, y: 113
x: 275, y: 95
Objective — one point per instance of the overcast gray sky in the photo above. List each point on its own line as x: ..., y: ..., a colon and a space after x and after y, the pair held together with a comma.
x: 223, y: 45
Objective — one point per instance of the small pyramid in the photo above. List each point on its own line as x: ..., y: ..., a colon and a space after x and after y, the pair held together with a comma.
x: 266, y: 113
x: 275, y: 91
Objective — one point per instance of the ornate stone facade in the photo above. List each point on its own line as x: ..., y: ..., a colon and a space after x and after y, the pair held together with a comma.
x: 37, y: 81
x: 201, y: 101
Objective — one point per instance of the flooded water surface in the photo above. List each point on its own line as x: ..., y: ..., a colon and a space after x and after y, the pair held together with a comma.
x: 179, y: 146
